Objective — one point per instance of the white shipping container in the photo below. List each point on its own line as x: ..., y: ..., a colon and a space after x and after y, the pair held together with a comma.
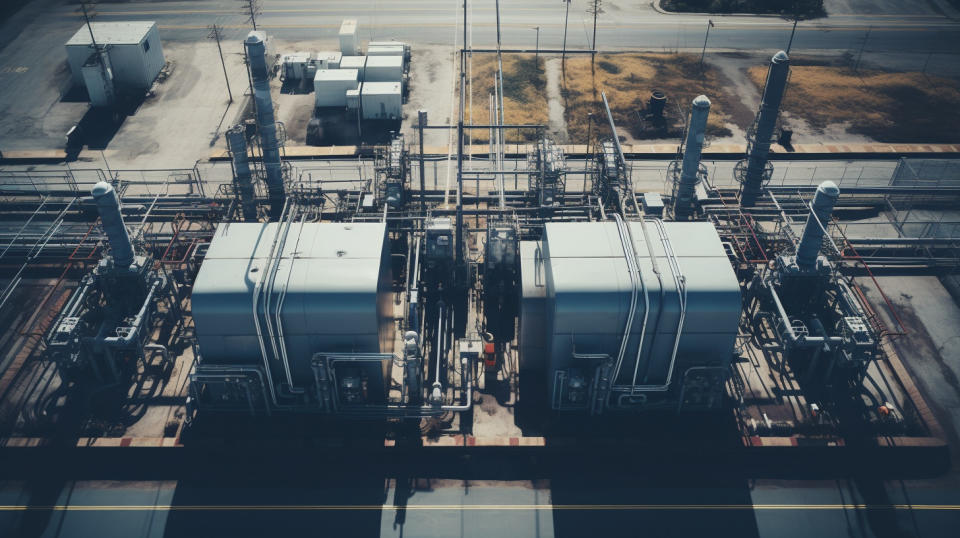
x: 136, y: 55
x: 328, y: 59
x: 330, y: 86
x: 294, y: 65
x: 385, y: 50
x: 354, y: 62
x: 383, y: 69
x: 381, y: 101
x: 353, y: 98
x: 349, y: 45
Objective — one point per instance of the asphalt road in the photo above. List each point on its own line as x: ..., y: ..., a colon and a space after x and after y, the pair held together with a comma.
x: 662, y: 500
x: 625, y: 25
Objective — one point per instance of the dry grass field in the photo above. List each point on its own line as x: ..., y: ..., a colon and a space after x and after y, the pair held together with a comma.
x: 888, y: 107
x: 628, y: 80
x: 524, y: 93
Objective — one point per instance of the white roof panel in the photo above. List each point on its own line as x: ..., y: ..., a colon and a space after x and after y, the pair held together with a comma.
x: 337, y: 74
x: 113, y: 33
x: 381, y: 88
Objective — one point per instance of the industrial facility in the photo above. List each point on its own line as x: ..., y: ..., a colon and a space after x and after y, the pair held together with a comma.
x: 556, y: 283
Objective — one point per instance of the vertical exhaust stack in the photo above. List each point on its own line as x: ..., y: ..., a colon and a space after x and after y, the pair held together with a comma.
x: 818, y: 219
x: 108, y: 205
x: 757, y: 170
x: 243, y: 180
x: 683, y: 204
x: 266, y: 124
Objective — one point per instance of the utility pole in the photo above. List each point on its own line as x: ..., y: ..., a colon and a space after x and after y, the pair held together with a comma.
x: 565, y: 19
x: 862, y: 46
x: 589, y: 130
x: 595, y: 9
x: 537, y: 55
x: 252, y: 9
x: 215, y: 34
x: 792, y: 32
x: 704, y: 53
x: 101, y: 57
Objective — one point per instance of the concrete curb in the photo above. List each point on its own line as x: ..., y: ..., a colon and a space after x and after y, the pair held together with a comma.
x: 656, y: 7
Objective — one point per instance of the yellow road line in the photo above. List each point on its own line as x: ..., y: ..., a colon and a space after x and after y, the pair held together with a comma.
x: 614, y: 26
x: 371, y: 507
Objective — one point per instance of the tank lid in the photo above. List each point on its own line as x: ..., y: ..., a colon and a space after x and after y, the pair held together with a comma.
x: 829, y: 188
x: 701, y: 101
x: 100, y: 189
x: 780, y: 57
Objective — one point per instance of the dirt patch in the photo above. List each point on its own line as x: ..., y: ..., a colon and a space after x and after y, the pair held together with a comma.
x: 628, y: 80
x: 885, y: 106
x: 524, y: 93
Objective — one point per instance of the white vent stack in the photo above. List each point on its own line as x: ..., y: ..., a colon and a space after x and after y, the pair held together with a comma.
x: 693, y: 148
x: 266, y: 124
x: 108, y: 206
x: 237, y: 144
x: 757, y: 171
x: 818, y: 219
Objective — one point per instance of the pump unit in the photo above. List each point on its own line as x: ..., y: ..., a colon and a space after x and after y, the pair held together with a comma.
x: 546, y: 167
x: 628, y: 314
x: 100, y: 338
x: 293, y: 316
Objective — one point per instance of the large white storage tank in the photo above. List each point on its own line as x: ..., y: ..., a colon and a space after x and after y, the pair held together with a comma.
x: 330, y: 86
x: 383, y: 69
x: 134, y: 49
x: 349, y: 45
x: 330, y: 293
x: 577, y: 292
x: 381, y: 101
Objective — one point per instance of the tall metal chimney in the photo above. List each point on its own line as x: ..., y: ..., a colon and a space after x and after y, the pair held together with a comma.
x: 758, y: 146
x: 683, y: 203
x: 243, y: 180
x: 108, y: 205
x: 823, y: 202
x: 266, y: 124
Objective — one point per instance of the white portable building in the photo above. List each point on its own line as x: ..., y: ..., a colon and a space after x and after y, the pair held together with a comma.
x: 381, y: 101
x: 349, y: 45
x: 330, y: 86
x: 136, y: 56
x: 383, y: 69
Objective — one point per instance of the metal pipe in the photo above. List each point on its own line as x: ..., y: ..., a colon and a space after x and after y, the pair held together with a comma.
x: 626, y: 243
x: 693, y: 147
x: 108, y: 205
x: 136, y: 323
x: 258, y: 287
x: 422, y: 124
x: 266, y: 123
x: 820, y: 212
x: 759, y: 146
